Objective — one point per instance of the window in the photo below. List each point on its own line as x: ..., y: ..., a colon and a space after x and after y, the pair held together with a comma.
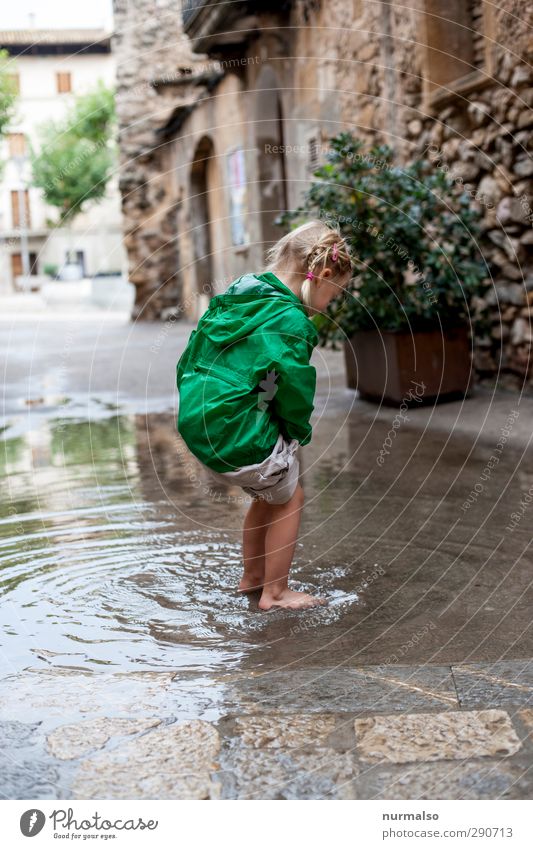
x: 18, y: 199
x: 77, y: 258
x: 63, y: 82
x: 457, y: 35
x: 17, y: 144
x: 14, y: 81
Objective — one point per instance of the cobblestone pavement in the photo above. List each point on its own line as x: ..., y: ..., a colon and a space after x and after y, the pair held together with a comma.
x: 132, y: 669
x: 434, y: 732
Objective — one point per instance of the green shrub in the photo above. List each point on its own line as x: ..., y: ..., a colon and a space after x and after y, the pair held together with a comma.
x: 414, y: 237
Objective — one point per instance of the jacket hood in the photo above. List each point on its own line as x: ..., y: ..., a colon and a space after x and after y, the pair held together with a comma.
x: 249, y: 302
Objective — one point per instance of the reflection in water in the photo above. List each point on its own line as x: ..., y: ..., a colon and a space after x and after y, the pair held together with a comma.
x: 117, y: 553
x: 112, y: 557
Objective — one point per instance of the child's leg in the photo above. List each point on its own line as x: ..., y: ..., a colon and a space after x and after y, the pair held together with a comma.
x: 253, y: 546
x: 280, y: 542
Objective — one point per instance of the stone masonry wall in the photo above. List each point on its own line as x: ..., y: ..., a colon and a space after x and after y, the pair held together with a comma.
x: 150, y: 45
x: 487, y: 142
x: 483, y: 138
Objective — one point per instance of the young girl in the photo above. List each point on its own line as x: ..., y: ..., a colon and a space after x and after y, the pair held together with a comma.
x: 246, y: 392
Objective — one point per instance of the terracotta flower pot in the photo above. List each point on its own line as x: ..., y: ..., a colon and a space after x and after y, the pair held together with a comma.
x: 396, y: 366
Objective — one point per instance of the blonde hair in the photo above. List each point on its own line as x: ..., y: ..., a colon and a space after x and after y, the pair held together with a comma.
x: 306, y: 248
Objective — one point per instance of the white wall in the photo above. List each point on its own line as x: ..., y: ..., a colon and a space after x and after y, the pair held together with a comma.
x: 98, y: 230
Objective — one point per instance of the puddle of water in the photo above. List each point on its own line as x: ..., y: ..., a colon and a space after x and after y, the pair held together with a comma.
x: 113, y: 558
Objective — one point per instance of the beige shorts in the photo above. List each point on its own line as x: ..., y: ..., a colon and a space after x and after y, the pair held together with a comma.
x: 274, y: 479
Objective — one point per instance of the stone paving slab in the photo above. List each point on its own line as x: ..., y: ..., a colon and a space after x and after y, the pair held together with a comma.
x: 476, y: 779
x: 68, y: 742
x: 283, y: 731
x: 71, y: 694
x: 451, y: 754
x: 15, y: 734
x: 322, y: 773
x: 457, y: 735
x: 369, y: 689
x: 526, y: 716
x: 395, y: 732
x: 26, y: 770
x: 286, y: 756
x: 494, y: 684
x: 170, y: 762
x: 28, y: 779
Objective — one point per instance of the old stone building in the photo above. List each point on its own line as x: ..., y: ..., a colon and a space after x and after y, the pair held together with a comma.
x: 226, y: 110
x: 151, y: 50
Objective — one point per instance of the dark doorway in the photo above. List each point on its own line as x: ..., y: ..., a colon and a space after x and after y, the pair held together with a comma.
x: 200, y: 217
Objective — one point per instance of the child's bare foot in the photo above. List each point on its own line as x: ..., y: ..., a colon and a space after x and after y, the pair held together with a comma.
x: 251, y: 583
x: 291, y: 599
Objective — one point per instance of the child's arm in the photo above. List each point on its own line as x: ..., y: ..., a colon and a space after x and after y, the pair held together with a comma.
x: 296, y: 384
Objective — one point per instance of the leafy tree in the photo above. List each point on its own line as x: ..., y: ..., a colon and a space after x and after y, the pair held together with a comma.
x: 77, y: 154
x: 93, y: 114
x: 414, y: 235
x: 8, y: 94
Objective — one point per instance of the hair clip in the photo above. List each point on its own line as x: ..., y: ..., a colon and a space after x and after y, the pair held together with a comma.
x: 309, y: 275
x: 335, y: 252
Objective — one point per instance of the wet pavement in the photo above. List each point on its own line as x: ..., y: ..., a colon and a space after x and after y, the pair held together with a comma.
x: 131, y: 668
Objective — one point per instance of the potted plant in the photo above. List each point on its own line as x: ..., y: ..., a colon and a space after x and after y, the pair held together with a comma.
x: 419, y: 276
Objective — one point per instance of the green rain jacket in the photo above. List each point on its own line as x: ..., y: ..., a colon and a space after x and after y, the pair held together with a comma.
x: 245, y: 375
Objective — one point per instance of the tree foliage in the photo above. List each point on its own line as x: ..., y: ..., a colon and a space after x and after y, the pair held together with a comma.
x: 413, y: 233
x: 77, y: 154
x: 8, y: 94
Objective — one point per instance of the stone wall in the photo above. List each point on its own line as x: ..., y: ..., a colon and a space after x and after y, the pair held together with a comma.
x: 492, y: 154
x: 482, y: 136
x: 486, y: 141
x: 150, y: 49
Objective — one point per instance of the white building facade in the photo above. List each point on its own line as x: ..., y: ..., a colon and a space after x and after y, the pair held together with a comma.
x: 50, y: 68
